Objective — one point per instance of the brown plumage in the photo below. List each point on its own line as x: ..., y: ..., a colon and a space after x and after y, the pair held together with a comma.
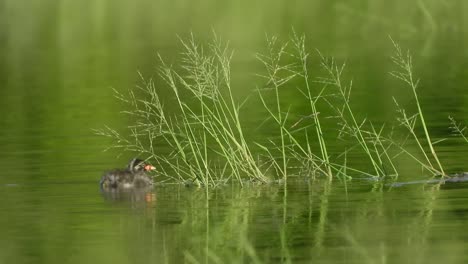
x: 134, y: 176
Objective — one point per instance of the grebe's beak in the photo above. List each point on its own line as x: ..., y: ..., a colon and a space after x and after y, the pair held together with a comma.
x: 149, y: 167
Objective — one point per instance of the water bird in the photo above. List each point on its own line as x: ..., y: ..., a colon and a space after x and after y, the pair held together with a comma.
x: 134, y: 176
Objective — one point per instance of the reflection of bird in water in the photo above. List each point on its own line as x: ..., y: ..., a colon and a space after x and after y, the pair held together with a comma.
x: 134, y: 196
x: 134, y: 176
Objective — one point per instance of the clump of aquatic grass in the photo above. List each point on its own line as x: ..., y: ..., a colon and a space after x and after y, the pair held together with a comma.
x: 377, y: 143
x: 204, y: 133
x: 283, y: 66
x: 368, y: 140
x: 302, y: 56
x: 204, y: 130
x: 405, y: 73
x: 278, y: 76
x: 277, y: 79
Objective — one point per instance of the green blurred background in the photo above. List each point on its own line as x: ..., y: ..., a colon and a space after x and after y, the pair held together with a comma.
x: 60, y: 58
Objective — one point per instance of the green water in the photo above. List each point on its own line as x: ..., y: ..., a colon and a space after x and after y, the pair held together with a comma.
x: 49, y: 222
x: 58, y: 60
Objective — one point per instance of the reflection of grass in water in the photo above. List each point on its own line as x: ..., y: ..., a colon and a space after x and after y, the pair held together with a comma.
x: 415, y: 235
x: 206, y: 134
x: 229, y: 238
x: 370, y: 230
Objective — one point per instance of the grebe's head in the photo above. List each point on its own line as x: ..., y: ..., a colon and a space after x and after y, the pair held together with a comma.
x: 137, y: 165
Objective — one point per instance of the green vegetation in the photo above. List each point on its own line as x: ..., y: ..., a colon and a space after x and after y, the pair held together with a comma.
x: 206, y: 133
x: 288, y: 127
x: 204, y: 128
x: 405, y: 73
x: 458, y: 128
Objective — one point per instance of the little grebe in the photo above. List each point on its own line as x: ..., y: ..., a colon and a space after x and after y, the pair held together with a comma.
x: 134, y: 176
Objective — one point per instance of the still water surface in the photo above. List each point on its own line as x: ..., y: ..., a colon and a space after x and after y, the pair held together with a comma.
x: 56, y: 70
x: 71, y: 222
